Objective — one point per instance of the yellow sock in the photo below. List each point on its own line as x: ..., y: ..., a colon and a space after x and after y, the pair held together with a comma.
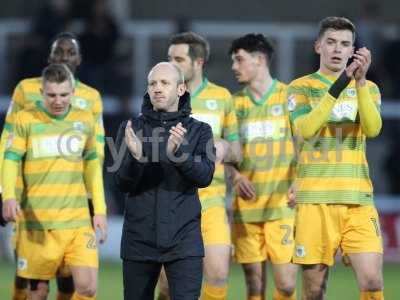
x: 62, y: 296
x: 19, y: 294
x: 378, y: 295
x: 279, y: 296
x: 213, y: 292
x: 258, y: 297
x: 76, y: 296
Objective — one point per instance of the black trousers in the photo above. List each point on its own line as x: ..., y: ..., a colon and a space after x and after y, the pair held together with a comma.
x: 184, y: 278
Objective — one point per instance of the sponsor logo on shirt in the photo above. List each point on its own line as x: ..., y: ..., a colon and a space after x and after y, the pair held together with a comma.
x: 263, y: 129
x: 344, y: 110
x: 211, y: 119
x: 68, y: 144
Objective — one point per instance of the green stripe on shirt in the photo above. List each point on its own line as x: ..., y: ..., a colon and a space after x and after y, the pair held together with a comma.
x: 333, y: 170
x: 261, y: 215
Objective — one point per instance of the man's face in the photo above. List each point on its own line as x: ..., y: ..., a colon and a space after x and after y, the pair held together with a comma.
x: 57, y: 97
x: 335, y: 48
x: 244, y: 66
x: 179, y: 55
x: 163, y: 88
x: 65, y: 51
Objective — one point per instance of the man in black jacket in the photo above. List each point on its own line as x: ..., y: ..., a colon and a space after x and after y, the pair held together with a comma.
x: 170, y: 155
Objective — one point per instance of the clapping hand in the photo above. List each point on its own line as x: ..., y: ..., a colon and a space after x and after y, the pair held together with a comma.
x: 360, y: 65
x: 177, y: 134
x: 133, y: 142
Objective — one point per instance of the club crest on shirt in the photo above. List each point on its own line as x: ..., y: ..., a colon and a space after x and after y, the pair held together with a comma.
x: 291, y: 103
x: 78, y: 126
x: 241, y: 113
x: 351, y: 92
x: 277, y: 110
x: 212, y: 104
x: 22, y: 263
x: 300, y: 251
x: 81, y: 103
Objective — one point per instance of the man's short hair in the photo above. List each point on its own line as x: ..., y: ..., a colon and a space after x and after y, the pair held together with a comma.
x: 180, y: 78
x: 336, y: 23
x: 66, y: 36
x: 253, y: 43
x: 57, y: 73
x: 198, y: 46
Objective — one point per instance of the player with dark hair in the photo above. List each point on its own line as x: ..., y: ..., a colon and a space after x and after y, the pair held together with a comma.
x: 262, y: 220
x: 334, y: 111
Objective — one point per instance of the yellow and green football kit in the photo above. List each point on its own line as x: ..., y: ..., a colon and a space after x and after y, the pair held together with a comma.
x: 212, y: 104
x: 263, y: 227
x: 27, y: 93
x: 332, y: 181
x: 56, y: 157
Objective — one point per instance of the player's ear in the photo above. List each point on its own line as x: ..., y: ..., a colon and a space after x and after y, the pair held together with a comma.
x: 199, y: 62
x: 79, y: 60
x: 317, y: 46
x: 261, y: 59
x: 181, y: 89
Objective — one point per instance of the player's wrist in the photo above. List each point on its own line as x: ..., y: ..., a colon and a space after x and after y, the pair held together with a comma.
x: 103, y: 215
x: 339, y: 85
x: 361, y: 82
x: 237, y: 178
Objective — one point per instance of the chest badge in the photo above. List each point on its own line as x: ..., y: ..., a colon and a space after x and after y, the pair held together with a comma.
x: 211, y: 104
x: 78, y: 126
x: 351, y: 92
x: 81, y: 103
x: 277, y: 110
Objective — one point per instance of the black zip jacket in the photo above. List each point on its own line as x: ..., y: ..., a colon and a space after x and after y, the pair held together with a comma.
x: 162, y: 207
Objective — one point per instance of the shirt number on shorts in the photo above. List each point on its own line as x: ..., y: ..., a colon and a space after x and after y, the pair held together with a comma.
x: 286, y: 239
x: 376, y: 226
x: 91, y: 244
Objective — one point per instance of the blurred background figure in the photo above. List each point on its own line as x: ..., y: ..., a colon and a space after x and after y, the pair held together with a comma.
x: 52, y: 17
x: 98, y: 41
